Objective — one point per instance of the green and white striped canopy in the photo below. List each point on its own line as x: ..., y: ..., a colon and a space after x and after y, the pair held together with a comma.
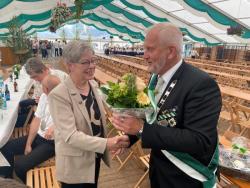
x: 204, y: 21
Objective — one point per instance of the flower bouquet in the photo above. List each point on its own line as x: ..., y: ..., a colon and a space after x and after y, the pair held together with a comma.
x: 127, y: 97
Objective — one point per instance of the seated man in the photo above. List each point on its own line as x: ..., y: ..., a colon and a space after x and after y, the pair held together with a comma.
x: 38, y: 146
x: 37, y: 71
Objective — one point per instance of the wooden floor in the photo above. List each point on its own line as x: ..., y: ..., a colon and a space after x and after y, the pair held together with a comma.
x: 125, y: 178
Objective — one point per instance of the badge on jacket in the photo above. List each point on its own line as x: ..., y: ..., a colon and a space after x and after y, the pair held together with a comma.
x: 167, y: 118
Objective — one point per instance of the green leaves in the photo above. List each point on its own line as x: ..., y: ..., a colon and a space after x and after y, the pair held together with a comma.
x: 242, y: 150
x: 123, y: 94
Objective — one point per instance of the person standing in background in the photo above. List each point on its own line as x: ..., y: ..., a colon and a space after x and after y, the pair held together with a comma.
x: 56, y: 46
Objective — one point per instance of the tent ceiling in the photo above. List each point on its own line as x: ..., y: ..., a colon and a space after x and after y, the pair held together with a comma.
x: 202, y: 20
x: 237, y: 10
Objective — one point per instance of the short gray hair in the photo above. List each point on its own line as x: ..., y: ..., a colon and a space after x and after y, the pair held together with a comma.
x: 168, y: 33
x: 73, y: 51
x: 34, y: 65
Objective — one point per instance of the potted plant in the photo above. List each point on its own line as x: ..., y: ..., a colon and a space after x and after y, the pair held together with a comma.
x: 18, y: 40
x: 60, y: 14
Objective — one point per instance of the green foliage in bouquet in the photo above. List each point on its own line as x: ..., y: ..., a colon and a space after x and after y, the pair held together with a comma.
x: 240, y: 149
x: 126, y: 94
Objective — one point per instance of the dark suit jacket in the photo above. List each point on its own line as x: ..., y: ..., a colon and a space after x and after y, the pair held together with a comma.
x: 197, y: 99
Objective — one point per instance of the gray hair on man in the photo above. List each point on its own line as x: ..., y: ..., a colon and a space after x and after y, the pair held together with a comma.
x: 34, y: 65
x: 169, y: 34
x: 73, y: 51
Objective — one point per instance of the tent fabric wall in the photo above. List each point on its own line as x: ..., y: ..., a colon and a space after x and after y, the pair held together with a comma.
x: 201, y: 20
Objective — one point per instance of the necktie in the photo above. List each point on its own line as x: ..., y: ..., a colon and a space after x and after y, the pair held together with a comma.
x: 158, y: 89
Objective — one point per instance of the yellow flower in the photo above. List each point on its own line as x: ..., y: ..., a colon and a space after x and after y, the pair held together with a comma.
x: 142, y: 99
x: 123, y: 87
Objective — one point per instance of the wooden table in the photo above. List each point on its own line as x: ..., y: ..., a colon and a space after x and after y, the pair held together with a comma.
x: 239, y: 182
x: 234, y: 65
x: 246, y: 78
x: 103, y: 77
x: 8, y: 120
x: 132, y: 57
x: 234, y: 92
x: 142, y: 67
x: 222, y: 68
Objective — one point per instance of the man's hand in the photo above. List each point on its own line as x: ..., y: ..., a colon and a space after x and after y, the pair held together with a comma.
x: 128, y: 124
x: 49, y: 133
x: 117, y: 142
x: 28, y: 149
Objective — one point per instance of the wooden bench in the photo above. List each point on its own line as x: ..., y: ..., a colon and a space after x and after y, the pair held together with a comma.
x: 42, y: 178
x: 226, y: 111
x: 225, y: 182
x: 242, y: 119
x: 48, y: 163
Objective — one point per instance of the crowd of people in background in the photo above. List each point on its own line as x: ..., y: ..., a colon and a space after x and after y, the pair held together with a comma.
x: 48, y: 48
x: 131, y: 51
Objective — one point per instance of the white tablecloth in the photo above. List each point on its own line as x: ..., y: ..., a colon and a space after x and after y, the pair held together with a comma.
x: 8, y: 117
x: 3, y: 161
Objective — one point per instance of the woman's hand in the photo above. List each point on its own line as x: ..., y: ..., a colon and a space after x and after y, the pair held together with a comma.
x: 117, y: 142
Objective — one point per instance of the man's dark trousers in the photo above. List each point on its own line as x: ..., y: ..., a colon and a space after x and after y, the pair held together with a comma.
x: 42, y: 150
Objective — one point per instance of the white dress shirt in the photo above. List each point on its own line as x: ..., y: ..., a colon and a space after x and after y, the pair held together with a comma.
x: 43, y: 113
x: 164, y: 79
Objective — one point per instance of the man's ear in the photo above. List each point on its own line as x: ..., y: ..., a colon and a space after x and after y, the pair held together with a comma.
x: 172, y: 52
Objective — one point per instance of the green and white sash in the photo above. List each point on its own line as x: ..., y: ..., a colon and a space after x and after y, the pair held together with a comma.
x: 151, y: 94
x: 184, y: 161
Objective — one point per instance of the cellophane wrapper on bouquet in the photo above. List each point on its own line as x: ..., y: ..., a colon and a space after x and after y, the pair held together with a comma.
x: 127, y: 97
x: 235, y: 160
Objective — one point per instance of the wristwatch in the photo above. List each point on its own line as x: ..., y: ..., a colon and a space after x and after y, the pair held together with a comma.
x: 141, y: 130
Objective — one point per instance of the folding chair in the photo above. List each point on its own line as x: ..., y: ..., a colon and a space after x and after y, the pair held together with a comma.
x: 23, y: 131
x: 242, y: 119
x: 135, y: 151
x: 145, y: 160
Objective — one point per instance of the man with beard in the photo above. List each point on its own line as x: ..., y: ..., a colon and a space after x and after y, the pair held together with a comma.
x: 182, y: 132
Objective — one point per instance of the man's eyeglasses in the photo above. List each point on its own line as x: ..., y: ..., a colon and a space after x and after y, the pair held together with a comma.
x: 87, y: 62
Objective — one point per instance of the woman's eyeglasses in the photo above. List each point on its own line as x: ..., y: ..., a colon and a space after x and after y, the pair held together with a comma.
x: 88, y: 62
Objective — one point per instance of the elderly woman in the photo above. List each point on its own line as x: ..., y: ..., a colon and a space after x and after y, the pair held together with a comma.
x: 79, y: 119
